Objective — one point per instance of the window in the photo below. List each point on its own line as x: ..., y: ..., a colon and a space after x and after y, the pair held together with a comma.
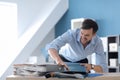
x: 8, y: 33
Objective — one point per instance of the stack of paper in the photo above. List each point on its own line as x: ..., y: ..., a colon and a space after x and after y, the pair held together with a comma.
x: 35, y: 69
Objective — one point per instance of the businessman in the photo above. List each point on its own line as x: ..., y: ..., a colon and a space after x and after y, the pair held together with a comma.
x: 75, y: 46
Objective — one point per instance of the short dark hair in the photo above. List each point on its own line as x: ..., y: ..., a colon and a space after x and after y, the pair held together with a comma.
x: 88, y: 24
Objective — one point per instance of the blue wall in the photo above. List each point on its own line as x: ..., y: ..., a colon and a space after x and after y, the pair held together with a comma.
x: 105, y: 12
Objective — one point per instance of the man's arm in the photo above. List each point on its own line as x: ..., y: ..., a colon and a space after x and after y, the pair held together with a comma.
x: 100, y: 57
x: 55, y: 56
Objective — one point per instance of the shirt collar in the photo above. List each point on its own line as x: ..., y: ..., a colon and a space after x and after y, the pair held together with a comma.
x: 78, y: 35
x: 93, y: 40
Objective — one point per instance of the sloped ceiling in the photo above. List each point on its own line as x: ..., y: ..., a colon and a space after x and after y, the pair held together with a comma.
x: 35, y: 18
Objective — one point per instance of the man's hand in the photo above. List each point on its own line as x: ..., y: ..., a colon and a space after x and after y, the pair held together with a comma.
x: 54, y: 54
x: 61, y: 63
x: 96, y: 68
x: 87, y: 66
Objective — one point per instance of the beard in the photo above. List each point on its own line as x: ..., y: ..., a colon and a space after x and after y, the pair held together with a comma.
x: 84, y: 41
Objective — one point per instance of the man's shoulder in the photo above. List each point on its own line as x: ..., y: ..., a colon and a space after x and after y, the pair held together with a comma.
x: 97, y: 39
x: 73, y: 31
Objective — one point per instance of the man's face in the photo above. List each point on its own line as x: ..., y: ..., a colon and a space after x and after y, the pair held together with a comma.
x: 86, y: 35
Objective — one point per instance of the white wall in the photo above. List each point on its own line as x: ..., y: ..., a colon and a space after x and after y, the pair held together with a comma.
x: 38, y: 53
x: 38, y: 18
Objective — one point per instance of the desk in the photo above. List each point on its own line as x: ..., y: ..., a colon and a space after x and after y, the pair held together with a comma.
x: 106, y: 76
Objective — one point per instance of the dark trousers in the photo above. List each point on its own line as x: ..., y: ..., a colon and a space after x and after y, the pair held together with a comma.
x: 81, y: 61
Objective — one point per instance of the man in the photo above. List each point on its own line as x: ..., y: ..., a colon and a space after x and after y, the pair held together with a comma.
x: 76, y: 45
